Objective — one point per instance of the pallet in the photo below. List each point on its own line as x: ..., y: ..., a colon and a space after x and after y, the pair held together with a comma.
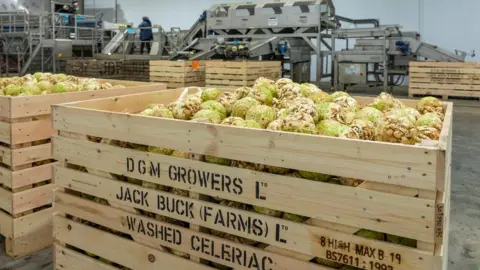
x: 445, y: 79
x: 26, y: 161
x: 103, y: 69
x: 225, y: 74
x: 407, y: 194
x: 177, y: 73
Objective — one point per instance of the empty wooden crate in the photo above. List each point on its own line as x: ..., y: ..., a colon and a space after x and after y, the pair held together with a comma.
x: 121, y: 205
x: 26, y: 188
x: 178, y: 73
x: 231, y: 74
x: 445, y: 79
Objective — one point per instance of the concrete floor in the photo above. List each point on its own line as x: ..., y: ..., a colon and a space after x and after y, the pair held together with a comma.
x: 464, y: 248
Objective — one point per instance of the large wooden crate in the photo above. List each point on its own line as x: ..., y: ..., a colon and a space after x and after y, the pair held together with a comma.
x: 26, y: 164
x: 178, y: 73
x: 103, y: 69
x: 138, y: 70
x: 445, y: 79
x: 237, y: 74
x: 407, y: 193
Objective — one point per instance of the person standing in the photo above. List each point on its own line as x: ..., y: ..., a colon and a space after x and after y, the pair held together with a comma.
x: 146, y: 34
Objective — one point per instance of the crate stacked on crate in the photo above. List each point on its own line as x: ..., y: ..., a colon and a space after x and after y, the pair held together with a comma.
x: 103, y: 69
x: 115, y: 193
x: 445, y: 79
x: 138, y: 70
x: 232, y: 74
x: 26, y: 188
x: 178, y: 73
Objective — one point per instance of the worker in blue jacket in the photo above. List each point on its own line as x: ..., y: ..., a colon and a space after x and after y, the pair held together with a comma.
x: 146, y: 34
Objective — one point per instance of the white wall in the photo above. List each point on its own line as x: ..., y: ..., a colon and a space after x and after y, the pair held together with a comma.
x: 452, y: 24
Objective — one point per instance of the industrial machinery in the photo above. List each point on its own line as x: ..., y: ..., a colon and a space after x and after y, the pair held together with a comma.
x: 34, y: 35
x: 296, y: 32
x: 381, y: 55
x: 291, y: 31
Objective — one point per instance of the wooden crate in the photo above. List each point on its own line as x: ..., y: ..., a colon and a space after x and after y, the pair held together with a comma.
x: 138, y: 70
x: 26, y: 164
x: 237, y: 74
x: 177, y: 73
x: 445, y: 79
x: 407, y: 193
x: 102, y: 69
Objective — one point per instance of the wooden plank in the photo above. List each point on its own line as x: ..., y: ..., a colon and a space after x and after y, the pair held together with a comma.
x: 33, y: 223
x: 445, y: 70
x: 446, y: 81
x: 5, y: 107
x: 6, y: 155
x: 124, y: 222
x: 187, y: 240
x: 133, y: 103
x: 68, y: 259
x: 5, y: 132
x: 30, y: 176
x: 30, y: 131
x: 32, y: 198
x: 31, y: 154
x: 444, y: 64
x: 126, y: 253
x: 6, y: 200
x: 30, y: 243
x: 411, y: 166
x: 298, y: 237
x: 340, y: 204
x: 41, y: 105
x: 6, y: 225
x: 471, y: 87
x: 441, y: 92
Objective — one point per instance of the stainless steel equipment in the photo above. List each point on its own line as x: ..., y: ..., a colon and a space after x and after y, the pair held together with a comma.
x: 381, y: 54
x: 30, y: 30
x: 287, y: 30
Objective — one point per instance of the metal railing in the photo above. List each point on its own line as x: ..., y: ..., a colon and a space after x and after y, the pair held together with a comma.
x: 126, y: 41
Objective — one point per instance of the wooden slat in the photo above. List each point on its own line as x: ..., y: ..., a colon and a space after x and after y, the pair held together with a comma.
x: 31, y: 154
x: 447, y: 81
x: 41, y: 105
x: 296, y: 236
x: 30, y: 131
x: 5, y: 132
x: 68, y: 259
x: 123, y: 222
x: 33, y: 223
x: 411, y: 166
x: 6, y: 225
x: 30, y: 176
x: 32, y: 242
x: 471, y: 87
x: 6, y: 155
x: 126, y: 253
x: 32, y: 198
x: 5, y: 107
x: 441, y: 70
x: 350, y: 205
x: 441, y: 92
x: 6, y: 200
x: 445, y: 64
x: 120, y: 220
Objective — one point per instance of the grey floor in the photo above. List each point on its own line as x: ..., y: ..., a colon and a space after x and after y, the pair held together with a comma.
x: 464, y: 248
